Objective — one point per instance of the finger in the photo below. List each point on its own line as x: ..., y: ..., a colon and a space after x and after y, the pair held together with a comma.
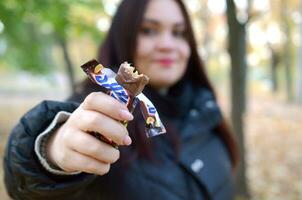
x: 108, y: 127
x: 79, y: 162
x: 100, y: 102
x: 90, y: 146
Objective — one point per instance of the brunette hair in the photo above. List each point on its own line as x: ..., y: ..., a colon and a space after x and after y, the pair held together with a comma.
x: 120, y: 46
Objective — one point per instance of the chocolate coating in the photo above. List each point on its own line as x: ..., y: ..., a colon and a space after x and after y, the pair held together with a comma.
x: 130, y: 80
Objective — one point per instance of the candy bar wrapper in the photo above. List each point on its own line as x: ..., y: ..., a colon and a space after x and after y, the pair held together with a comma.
x: 108, y: 79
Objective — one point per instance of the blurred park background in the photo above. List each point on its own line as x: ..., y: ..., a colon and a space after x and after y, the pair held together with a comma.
x: 252, y: 50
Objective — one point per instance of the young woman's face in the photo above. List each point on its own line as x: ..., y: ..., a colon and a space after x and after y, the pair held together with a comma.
x: 162, y: 51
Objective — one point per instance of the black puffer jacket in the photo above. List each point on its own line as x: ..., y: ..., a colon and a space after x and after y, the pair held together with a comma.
x: 203, y: 170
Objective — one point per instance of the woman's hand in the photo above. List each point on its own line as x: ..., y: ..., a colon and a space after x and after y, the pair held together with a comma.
x: 71, y: 147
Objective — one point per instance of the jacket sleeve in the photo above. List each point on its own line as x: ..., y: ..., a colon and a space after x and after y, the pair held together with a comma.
x: 41, y: 141
x: 24, y: 176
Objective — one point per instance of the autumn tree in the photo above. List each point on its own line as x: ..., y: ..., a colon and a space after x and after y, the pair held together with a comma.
x: 288, y: 49
x: 237, y: 48
x: 33, y: 28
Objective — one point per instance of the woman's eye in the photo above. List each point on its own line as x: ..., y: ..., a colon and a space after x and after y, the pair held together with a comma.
x: 148, y: 31
x: 179, y: 33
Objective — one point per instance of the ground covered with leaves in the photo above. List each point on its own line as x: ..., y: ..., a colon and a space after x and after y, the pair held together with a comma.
x: 274, y: 145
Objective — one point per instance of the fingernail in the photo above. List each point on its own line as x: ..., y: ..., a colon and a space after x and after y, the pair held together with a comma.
x: 127, y: 140
x: 125, y: 114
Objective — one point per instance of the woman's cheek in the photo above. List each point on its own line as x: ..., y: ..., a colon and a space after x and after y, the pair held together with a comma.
x: 144, y: 47
x: 185, y: 50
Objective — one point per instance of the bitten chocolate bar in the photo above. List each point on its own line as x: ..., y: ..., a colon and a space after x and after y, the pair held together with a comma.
x: 126, y: 86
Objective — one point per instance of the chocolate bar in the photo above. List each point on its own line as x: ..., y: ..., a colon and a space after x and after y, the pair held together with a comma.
x: 126, y: 86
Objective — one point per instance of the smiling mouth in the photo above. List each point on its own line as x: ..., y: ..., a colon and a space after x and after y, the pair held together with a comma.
x: 166, y: 62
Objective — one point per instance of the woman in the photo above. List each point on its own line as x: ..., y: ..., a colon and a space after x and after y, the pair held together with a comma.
x: 50, y: 155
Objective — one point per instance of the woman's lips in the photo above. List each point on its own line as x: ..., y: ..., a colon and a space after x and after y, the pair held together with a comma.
x: 166, y: 62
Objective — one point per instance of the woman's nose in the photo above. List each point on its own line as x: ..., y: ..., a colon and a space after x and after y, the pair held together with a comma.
x: 166, y: 42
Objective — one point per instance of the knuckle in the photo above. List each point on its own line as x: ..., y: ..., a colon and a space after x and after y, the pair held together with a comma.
x: 73, y: 119
x: 75, y: 115
x: 89, y: 119
x: 83, y: 117
x: 120, y: 130
x: 93, y: 119
x: 119, y: 141
x: 65, y: 138
x: 90, y: 99
x: 70, y: 138
x: 92, y: 149
x: 91, y: 167
x: 117, y: 132
x: 85, y: 142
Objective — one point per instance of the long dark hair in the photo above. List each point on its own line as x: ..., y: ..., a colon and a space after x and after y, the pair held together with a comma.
x: 120, y: 45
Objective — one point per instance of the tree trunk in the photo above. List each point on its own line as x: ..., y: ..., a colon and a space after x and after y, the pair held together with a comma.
x: 287, y: 51
x: 275, y: 59
x: 237, y: 50
x: 299, y: 82
x: 299, y: 70
x: 68, y: 63
x: 299, y: 78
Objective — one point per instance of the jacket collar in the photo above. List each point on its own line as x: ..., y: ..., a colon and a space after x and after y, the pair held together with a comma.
x: 195, y: 108
x: 175, y: 104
